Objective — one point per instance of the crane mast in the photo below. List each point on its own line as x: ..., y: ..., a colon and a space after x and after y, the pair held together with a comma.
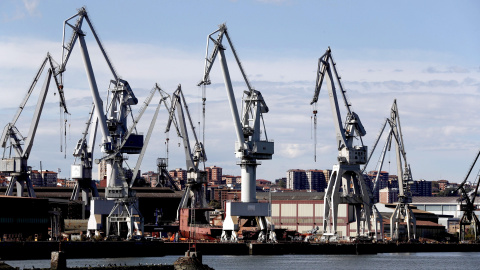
x: 402, y: 212
x: 17, y: 166
x: 249, y: 146
x: 347, y: 184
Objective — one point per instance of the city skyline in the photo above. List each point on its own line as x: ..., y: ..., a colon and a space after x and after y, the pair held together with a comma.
x: 429, y: 63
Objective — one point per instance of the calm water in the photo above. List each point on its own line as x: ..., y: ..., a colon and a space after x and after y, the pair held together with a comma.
x: 448, y: 260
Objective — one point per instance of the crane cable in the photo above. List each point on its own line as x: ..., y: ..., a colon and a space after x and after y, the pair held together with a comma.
x: 315, y: 132
x: 204, y: 99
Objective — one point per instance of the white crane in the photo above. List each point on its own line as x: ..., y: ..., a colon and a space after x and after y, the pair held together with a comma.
x: 116, y: 138
x: 16, y: 164
x: 249, y: 146
x: 402, y: 212
x: 346, y: 183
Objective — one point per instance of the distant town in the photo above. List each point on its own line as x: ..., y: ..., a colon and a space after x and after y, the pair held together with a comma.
x: 312, y: 180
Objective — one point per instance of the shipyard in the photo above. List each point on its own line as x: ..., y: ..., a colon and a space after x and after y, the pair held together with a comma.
x: 118, y: 149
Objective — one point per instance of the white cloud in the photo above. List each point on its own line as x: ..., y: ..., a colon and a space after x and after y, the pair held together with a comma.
x: 31, y: 7
x: 438, y: 109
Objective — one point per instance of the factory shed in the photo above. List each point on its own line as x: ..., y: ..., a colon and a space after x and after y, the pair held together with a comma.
x: 23, y: 218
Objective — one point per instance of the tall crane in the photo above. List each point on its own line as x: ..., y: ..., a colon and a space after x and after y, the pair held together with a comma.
x: 16, y: 163
x: 193, y: 210
x: 194, y: 196
x: 249, y: 146
x: 469, y: 218
x: 347, y: 184
x: 403, y: 211
x: 116, y: 140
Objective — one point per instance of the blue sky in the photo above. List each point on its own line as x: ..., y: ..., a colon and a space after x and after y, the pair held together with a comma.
x: 423, y: 53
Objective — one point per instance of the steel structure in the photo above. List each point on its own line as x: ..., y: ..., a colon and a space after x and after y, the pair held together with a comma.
x: 16, y: 163
x: 469, y: 218
x: 116, y: 138
x: 347, y: 184
x: 163, y: 99
x: 249, y: 146
x: 82, y: 173
x: 403, y: 211
x: 194, y: 195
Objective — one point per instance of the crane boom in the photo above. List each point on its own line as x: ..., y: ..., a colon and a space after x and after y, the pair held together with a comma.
x: 150, y: 130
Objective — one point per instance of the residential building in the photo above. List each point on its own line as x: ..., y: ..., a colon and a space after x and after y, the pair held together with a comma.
x: 179, y: 174
x: 296, y: 179
x: 214, y: 175
x: 315, y: 180
x: 231, y: 180
x: 388, y: 195
x: 421, y: 188
x: 43, y: 178
x: 442, y: 184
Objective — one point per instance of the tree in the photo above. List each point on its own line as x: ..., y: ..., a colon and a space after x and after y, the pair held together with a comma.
x: 215, y: 204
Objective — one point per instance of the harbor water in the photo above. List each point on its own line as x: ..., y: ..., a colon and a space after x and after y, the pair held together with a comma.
x: 423, y: 260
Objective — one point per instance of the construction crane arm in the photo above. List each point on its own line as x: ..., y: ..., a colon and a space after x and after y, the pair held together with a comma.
x: 254, y: 104
x: 193, y: 158
x: 326, y: 67
x: 209, y: 60
x: 163, y: 99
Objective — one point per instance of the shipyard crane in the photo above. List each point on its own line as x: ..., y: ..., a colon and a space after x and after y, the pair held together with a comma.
x: 249, y: 146
x: 469, y: 218
x: 346, y: 173
x: 16, y: 163
x: 194, y: 195
x: 403, y: 211
x: 113, y: 126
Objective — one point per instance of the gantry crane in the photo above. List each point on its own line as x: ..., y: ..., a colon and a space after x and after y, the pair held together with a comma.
x: 469, y: 218
x: 347, y: 184
x: 249, y: 147
x: 16, y: 164
x: 116, y: 140
x: 403, y: 211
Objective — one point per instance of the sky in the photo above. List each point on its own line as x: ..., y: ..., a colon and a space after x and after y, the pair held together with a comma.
x: 424, y: 54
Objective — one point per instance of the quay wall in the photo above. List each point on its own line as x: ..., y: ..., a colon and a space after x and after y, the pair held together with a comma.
x: 104, y: 249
